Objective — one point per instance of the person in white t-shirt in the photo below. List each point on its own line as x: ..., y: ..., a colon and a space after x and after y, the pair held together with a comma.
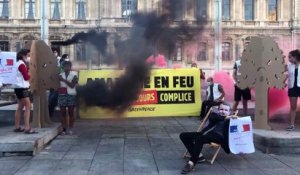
x: 67, y: 96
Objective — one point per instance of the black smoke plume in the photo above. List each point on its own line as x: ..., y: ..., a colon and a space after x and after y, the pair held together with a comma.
x: 151, y: 34
x: 99, y: 40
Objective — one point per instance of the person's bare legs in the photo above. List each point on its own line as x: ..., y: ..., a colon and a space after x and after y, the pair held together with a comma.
x: 27, y: 104
x: 71, y: 116
x: 235, y: 105
x: 245, y: 107
x: 18, y: 113
x: 63, y: 113
x: 293, y: 108
x: 71, y: 119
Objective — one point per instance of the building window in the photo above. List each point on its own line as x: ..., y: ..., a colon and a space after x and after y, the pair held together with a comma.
x: 201, y: 9
x: 4, y: 46
x: 55, y: 9
x: 80, y: 9
x: 178, y: 52
x: 202, y: 52
x: 129, y: 7
x: 249, y: 10
x: 80, y: 52
x: 29, y: 9
x: 178, y: 6
x: 226, y: 51
x: 226, y: 9
x: 4, y: 13
x: 272, y: 10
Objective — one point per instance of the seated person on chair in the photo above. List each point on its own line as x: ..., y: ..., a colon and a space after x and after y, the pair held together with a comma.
x: 216, y: 131
x: 215, y: 95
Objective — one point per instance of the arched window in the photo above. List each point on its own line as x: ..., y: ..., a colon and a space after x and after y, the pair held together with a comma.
x: 4, y: 43
x: 226, y: 51
x: 29, y: 9
x: 4, y: 10
x: 55, y: 9
x: 80, y: 9
x: 226, y: 9
x: 178, y: 52
x: 249, y: 10
x: 201, y: 9
x: 272, y: 10
x: 202, y: 52
x: 129, y: 7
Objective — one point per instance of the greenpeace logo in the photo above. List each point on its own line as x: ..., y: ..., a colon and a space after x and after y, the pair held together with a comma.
x: 136, y: 109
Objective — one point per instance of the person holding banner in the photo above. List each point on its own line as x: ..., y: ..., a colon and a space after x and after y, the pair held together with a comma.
x: 22, y: 92
x: 216, y: 131
x: 215, y: 95
x: 67, y: 96
x: 293, y: 85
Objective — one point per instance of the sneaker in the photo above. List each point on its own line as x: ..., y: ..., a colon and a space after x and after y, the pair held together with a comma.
x: 201, y: 159
x: 63, y: 133
x: 70, y: 132
x: 290, y: 128
x: 187, y: 168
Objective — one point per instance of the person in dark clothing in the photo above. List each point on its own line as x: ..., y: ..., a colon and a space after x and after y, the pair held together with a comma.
x: 215, y: 95
x: 238, y: 92
x: 216, y: 131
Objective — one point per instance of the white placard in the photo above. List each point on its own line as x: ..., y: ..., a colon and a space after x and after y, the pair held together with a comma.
x: 8, y: 69
x: 241, y: 136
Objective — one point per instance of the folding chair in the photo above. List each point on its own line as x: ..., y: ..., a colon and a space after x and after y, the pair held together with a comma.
x: 212, y: 144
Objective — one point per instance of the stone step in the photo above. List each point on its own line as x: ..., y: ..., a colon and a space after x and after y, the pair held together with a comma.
x: 277, y: 141
x: 29, y: 144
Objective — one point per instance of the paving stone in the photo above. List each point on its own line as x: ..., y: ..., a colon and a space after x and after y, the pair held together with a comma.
x: 11, y: 165
x: 142, y: 165
x: 44, y: 155
x: 246, y: 171
x: 280, y: 171
x: 34, y: 167
x: 74, y: 165
x: 107, y: 167
x: 79, y: 155
x: 69, y: 172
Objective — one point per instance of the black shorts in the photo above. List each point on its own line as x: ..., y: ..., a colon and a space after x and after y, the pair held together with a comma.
x: 22, y: 93
x: 294, y: 92
x: 239, y: 93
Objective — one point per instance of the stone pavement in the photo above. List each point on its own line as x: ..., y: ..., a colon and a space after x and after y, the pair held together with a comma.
x: 137, y: 146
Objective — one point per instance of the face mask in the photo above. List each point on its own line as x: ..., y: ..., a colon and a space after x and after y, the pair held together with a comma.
x: 27, y: 59
x: 209, y: 83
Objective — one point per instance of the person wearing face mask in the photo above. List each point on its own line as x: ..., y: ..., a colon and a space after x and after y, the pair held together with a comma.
x: 293, y: 85
x: 67, y: 97
x: 216, y: 131
x: 22, y: 92
x: 215, y: 95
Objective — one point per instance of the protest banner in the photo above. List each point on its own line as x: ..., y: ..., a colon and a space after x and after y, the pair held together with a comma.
x: 241, y: 136
x: 167, y: 92
x: 8, y: 69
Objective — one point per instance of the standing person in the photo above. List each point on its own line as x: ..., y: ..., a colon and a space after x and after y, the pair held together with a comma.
x: 215, y: 95
x: 293, y: 85
x: 238, y: 92
x: 216, y: 131
x: 67, y: 96
x: 22, y: 93
x: 53, y: 94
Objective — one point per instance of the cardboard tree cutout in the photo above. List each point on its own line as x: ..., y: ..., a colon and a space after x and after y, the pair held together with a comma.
x: 44, y: 75
x: 262, y: 67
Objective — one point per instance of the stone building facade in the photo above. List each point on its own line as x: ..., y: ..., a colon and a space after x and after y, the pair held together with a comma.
x: 20, y: 22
